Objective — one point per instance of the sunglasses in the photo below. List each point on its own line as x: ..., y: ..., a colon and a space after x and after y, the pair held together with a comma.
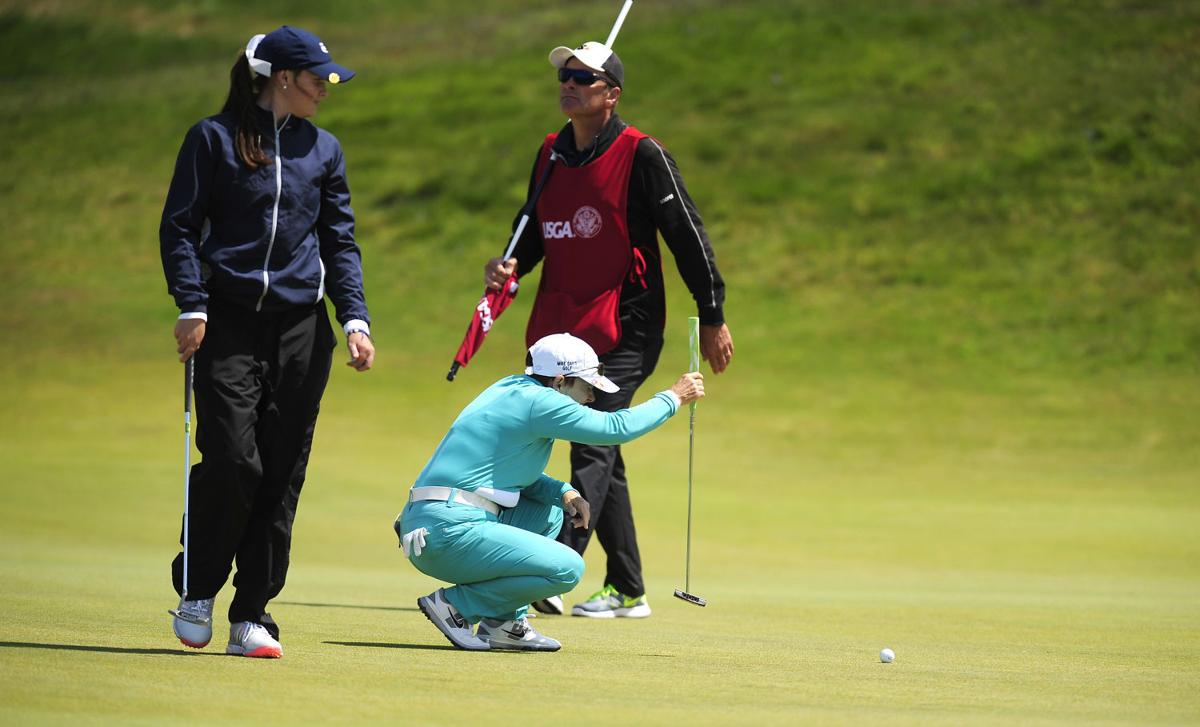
x: 580, y: 77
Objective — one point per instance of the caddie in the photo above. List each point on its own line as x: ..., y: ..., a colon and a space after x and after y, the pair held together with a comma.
x: 612, y: 190
x: 483, y: 515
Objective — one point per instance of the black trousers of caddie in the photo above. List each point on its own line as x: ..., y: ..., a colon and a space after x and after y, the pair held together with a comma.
x: 598, y: 473
x: 259, y: 378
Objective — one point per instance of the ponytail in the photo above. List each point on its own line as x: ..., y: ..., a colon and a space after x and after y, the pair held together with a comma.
x: 244, y: 87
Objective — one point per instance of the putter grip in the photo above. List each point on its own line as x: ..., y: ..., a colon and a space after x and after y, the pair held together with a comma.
x: 694, y: 348
x: 694, y: 343
x: 189, y: 372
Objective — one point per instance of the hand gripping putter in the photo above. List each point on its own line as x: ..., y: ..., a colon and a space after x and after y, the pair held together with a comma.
x: 694, y: 350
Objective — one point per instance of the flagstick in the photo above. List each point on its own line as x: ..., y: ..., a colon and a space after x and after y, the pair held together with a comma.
x: 617, y: 25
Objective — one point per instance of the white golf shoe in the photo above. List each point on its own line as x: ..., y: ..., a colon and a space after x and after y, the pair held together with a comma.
x: 517, y: 635
x: 193, y: 622
x: 449, y: 621
x: 552, y: 606
x: 247, y: 638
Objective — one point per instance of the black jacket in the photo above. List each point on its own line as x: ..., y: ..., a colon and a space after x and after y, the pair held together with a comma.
x: 264, y: 239
x: 658, y: 202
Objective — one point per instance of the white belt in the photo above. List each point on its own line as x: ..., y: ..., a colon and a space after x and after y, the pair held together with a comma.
x: 453, y: 494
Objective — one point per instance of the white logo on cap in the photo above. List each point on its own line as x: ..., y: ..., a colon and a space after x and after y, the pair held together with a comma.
x: 587, y: 221
x: 323, y: 48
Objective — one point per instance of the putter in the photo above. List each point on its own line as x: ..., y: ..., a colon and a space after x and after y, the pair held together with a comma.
x: 189, y: 372
x: 694, y: 349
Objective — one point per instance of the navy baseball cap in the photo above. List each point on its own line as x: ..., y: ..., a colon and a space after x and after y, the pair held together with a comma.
x: 288, y: 48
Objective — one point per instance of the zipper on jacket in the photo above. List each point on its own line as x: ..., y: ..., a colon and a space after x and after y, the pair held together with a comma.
x: 266, y: 278
x: 321, y: 286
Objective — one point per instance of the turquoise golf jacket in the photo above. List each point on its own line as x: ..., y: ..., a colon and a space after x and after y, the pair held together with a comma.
x: 502, y: 441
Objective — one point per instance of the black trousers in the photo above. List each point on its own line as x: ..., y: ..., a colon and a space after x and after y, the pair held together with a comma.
x: 598, y: 473
x: 259, y: 378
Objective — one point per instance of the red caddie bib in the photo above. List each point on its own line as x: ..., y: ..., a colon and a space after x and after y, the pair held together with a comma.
x: 585, y: 235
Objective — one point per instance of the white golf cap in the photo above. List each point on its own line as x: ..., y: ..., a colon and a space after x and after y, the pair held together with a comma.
x: 596, y: 56
x: 562, y: 353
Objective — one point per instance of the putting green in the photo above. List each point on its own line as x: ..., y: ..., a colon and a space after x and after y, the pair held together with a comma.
x: 1049, y: 583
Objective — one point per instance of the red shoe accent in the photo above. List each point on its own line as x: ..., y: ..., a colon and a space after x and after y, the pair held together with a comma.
x: 192, y: 644
x: 265, y: 652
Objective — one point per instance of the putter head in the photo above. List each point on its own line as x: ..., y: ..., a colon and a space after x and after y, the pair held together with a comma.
x: 190, y: 618
x: 694, y: 600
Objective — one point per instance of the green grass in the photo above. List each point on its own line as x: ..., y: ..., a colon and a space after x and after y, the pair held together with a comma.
x: 1025, y: 568
x: 961, y: 246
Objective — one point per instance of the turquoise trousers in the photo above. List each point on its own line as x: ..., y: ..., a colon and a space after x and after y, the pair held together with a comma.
x: 499, y: 565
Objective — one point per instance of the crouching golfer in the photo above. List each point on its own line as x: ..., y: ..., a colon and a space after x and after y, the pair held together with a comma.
x: 484, y: 516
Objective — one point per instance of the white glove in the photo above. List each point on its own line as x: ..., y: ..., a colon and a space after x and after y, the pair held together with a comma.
x: 413, y: 541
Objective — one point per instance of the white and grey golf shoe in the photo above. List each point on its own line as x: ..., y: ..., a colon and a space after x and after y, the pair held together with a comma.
x: 517, y: 635
x: 449, y: 621
x: 247, y: 638
x: 193, y: 622
x: 552, y: 606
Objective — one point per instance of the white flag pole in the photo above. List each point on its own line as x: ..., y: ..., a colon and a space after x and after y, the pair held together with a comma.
x: 612, y: 36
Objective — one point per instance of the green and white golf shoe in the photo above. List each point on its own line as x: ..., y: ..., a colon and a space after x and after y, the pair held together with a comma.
x: 610, y: 603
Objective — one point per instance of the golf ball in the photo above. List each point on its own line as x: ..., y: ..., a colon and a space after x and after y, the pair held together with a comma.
x: 887, y: 656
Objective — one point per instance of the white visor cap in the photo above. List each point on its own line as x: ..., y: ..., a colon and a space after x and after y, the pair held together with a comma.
x: 562, y: 353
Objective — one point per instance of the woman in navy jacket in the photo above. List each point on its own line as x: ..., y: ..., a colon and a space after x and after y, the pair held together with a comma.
x: 257, y: 229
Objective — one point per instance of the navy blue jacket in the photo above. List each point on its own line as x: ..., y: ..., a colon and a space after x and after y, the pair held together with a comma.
x: 264, y: 239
